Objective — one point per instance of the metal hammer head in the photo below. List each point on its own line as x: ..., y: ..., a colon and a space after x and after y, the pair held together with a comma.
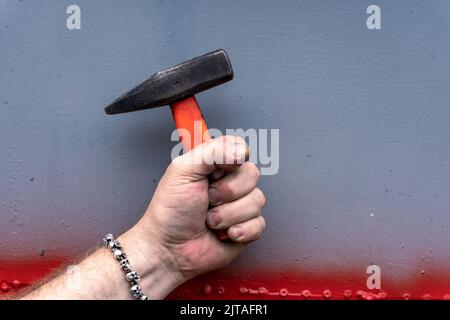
x: 176, y: 83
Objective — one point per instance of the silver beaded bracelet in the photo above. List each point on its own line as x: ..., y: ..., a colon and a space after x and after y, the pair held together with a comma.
x: 131, y: 276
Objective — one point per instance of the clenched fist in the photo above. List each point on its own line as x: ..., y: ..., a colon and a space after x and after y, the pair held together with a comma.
x: 208, y: 189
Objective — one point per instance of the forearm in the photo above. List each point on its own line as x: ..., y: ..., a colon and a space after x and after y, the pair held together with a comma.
x: 175, y: 240
x: 99, y: 276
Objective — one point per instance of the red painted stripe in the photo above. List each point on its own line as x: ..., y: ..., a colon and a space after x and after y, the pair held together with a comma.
x: 263, y: 284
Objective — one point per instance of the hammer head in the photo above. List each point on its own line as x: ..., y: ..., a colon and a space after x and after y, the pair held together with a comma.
x: 176, y: 83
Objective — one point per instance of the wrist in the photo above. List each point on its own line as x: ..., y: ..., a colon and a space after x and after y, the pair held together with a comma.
x: 154, y: 263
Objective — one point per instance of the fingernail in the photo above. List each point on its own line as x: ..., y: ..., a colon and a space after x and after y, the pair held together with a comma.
x: 217, y: 174
x: 213, y: 195
x: 214, y: 219
x: 237, y: 232
x: 240, y: 150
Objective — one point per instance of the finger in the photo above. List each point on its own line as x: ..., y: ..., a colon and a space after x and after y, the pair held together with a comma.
x: 217, y: 174
x: 241, y: 210
x: 234, y: 185
x: 220, y: 172
x: 247, y: 231
x: 225, y: 152
x: 225, y: 252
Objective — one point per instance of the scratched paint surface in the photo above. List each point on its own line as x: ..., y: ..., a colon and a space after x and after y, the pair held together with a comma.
x: 364, y: 136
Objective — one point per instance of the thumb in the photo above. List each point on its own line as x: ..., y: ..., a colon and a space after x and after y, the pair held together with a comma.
x: 225, y: 152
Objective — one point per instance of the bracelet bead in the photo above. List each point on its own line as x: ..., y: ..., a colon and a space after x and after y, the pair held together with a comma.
x: 131, y: 276
x: 125, y: 264
x: 108, y: 238
x: 136, y: 291
x: 115, y: 244
x: 119, y: 254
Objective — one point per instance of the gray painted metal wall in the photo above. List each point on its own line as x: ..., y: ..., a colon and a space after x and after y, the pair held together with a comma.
x: 364, y: 123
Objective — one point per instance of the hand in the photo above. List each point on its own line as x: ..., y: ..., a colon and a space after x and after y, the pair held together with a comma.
x: 207, y: 189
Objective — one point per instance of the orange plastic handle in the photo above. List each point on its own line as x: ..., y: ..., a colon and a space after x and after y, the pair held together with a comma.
x: 192, y: 129
x: 190, y: 123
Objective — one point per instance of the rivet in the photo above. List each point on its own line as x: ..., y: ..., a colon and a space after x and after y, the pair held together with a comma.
x: 382, y: 295
x: 243, y: 290
x: 306, y: 293
x: 284, y: 292
x: 263, y: 291
x: 4, y: 287
x: 16, y: 284
x: 348, y: 294
x: 220, y: 290
x: 207, y: 289
x: 326, y: 294
x: 426, y: 297
x: 361, y: 294
x: 406, y: 296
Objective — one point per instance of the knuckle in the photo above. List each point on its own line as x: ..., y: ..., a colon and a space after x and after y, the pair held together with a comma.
x: 236, y: 139
x: 261, y: 228
x: 263, y: 223
x: 259, y: 198
x: 253, y: 170
x: 257, y: 213
x: 228, y: 189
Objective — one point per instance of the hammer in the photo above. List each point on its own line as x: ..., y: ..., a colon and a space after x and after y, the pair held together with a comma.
x: 176, y: 86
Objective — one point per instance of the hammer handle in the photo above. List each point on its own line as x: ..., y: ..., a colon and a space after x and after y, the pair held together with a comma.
x: 192, y: 129
x: 190, y: 123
